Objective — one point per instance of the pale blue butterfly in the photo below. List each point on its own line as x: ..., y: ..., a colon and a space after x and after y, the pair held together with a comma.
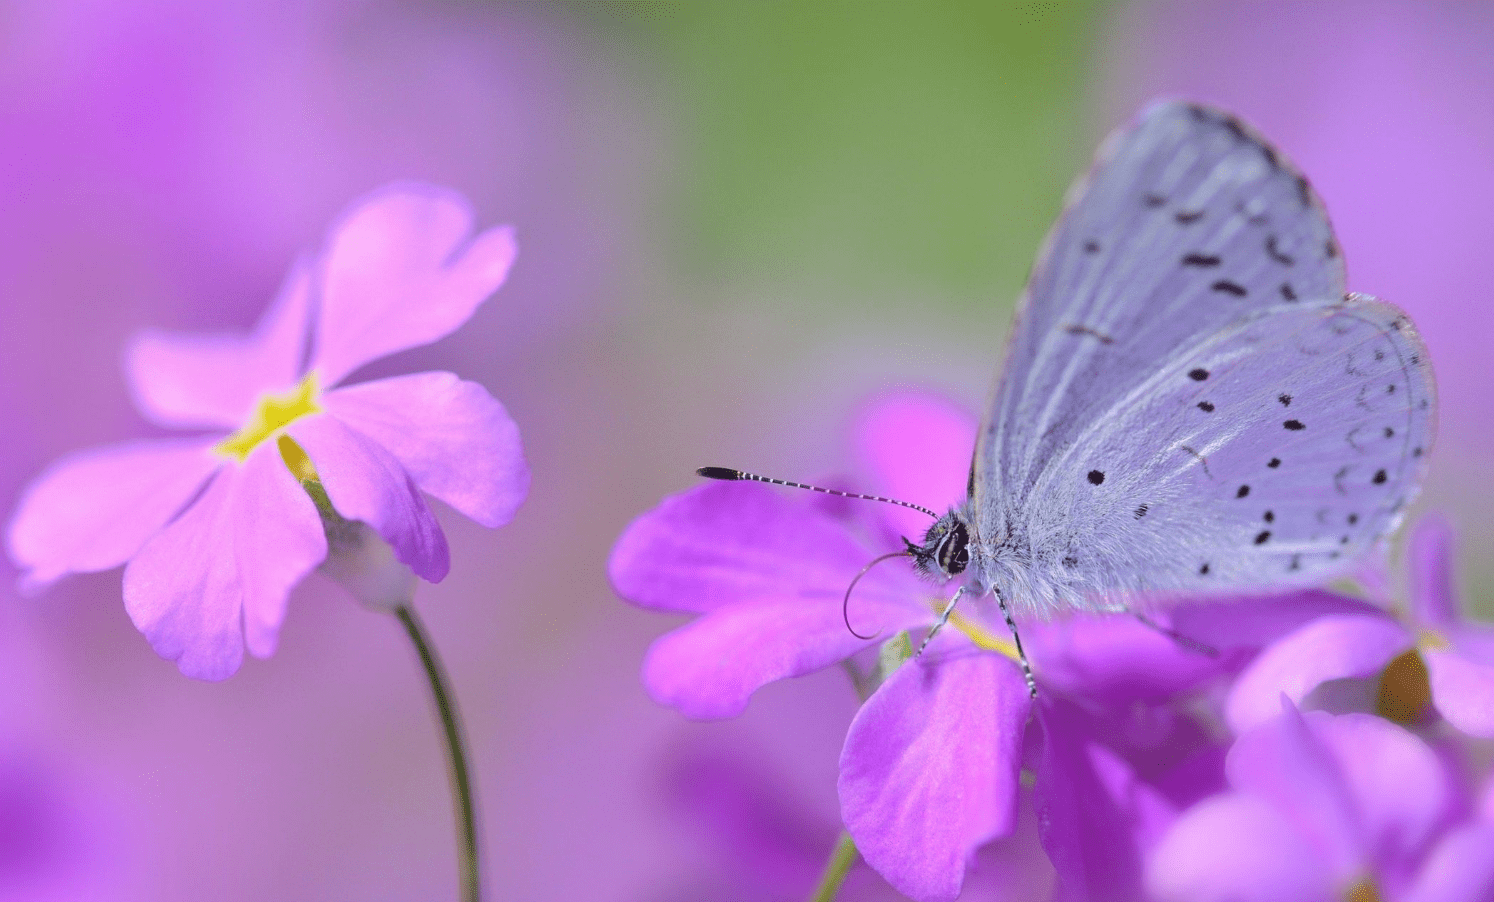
x: 1191, y: 403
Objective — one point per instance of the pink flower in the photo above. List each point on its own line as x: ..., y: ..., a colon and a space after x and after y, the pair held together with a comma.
x: 931, y: 767
x: 216, y: 528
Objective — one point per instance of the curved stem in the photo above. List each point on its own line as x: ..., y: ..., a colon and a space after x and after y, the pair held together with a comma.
x: 456, y: 754
x: 836, y: 869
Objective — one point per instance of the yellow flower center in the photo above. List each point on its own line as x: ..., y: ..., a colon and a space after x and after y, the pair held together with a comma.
x: 274, y: 413
x: 1404, y: 692
x: 978, y: 634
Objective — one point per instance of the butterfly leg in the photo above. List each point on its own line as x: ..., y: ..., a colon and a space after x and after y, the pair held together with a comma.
x: 1187, y: 642
x: 1017, y: 640
x: 943, y: 619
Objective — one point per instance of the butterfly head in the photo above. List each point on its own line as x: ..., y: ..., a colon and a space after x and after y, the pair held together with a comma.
x: 946, y: 547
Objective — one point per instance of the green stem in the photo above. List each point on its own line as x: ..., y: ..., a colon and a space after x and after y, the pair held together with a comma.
x: 456, y: 755
x: 836, y: 869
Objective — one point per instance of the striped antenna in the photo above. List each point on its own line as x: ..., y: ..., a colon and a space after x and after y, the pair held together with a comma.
x: 729, y: 475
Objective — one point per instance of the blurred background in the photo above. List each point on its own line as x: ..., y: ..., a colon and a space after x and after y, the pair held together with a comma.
x: 737, y: 222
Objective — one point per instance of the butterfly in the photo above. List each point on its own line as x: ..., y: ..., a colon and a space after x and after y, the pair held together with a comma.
x: 1191, y: 404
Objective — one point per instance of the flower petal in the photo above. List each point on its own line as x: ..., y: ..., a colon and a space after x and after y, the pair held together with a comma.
x: 402, y: 270
x: 929, y: 769
x: 365, y: 482
x: 917, y: 447
x: 1284, y: 762
x: 1332, y: 647
x: 453, y: 438
x: 1116, y: 656
x: 1096, y: 814
x: 1236, y: 848
x: 1398, y: 786
x: 1458, y: 869
x: 94, y: 509
x: 725, y: 543
x: 709, y: 668
x: 226, y: 566
x: 1434, y: 596
x: 1462, y: 690
x: 201, y: 381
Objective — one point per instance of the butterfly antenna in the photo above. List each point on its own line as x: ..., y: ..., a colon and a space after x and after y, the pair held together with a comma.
x: 729, y: 475
x: 845, y: 603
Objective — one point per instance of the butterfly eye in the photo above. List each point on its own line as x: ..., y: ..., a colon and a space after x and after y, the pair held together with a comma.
x: 954, y: 550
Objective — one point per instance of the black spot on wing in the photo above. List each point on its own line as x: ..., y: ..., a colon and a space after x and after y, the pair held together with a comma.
x: 1225, y: 286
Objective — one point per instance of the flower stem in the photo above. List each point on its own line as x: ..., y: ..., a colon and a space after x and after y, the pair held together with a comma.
x: 456, y: 755
x: 841, y: 859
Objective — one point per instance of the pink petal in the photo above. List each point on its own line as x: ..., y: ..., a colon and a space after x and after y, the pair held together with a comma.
x: 1462, y: 690
x: 365, y: 482
x: 453, y: 438
x: 94, y: 509
x: 1398, y: 786
x: 929, y: 769
x: 720, y: 544
x: 1332, y: 647
x: 1434, y: 595
x: 402, y: 270
x: 1236, y: 848
x: 1458, y: 869
x: 1096, y: 813
x: 1286, y: 763
x: 709, y: 668
x: 918, y: 449
x: 200, y: 381
x: 225, y: 567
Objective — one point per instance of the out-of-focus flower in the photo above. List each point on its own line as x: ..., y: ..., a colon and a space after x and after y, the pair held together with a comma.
x: 930, y: 767
x: 1430, y: 656
x: 217, y: 528
x: 1325, y: 807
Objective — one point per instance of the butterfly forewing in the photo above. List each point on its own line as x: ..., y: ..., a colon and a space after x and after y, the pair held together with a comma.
x: 1187, y: 223
x: 1190, y: 401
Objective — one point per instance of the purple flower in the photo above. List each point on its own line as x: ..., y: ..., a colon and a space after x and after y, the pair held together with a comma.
x: 1431, y: 655
x: 930, y: 767
x: 216, y: 528
x: 1324, y: 807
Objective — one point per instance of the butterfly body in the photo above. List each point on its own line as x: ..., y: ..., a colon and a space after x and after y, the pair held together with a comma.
x: 1191, y: 404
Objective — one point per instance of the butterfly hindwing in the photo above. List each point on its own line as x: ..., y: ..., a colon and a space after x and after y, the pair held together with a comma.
x: 1271, y: 454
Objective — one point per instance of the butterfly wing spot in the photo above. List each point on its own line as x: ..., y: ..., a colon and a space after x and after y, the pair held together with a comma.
x: 1141, y: 511
x: 1262, y: 537
x: 1096, y: 477
x: 1350, y: 439
x: 1338, y: 480
x: 1225, y: 286
x: 1275, y: 252
x: 1390, y: 389
x: 1154, y: 200
x: 1330, y: 249
x: 1205, y: 406
x: 1242, y: 491
x: 1204, y: 570
x: 1091, y: 246
x: 1294, y: 425
x: 1201, y: 260
x: 1198, y: 374
x: 1287, y: 292
x: 1070, y: 561
x: 1390, y: 432
x: 1352, y: 518
x: 1380, y: 477
x: 1416, y: 452
x: 1075, y: 329
x: 1286, y: 401
x: 1188, y: 217
x: 1203, y: 461
x: 1269, y: 517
